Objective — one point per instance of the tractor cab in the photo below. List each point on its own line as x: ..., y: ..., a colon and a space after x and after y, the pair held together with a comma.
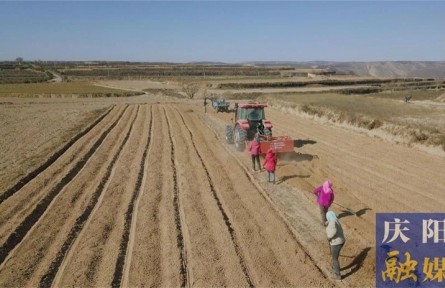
x: 251, y: 113
x: 255, y: 116
x: 250, y: 119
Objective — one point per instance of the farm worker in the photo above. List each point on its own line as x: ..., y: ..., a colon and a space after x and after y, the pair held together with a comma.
x: 336, y: 239
x: 270, y: 163
x: 205, y: 104
x: 325, y: 197
x: 255, y: 150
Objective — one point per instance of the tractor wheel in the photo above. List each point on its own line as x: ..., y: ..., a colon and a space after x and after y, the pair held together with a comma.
x: 229, y: 134
x: 240, y: 138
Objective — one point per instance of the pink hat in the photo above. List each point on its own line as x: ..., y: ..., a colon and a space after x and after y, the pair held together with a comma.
x: 327, y: 187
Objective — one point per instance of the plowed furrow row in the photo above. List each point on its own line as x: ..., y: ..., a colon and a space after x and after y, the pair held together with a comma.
x: 31, y: 175
x: 92, y: 259
x: 244, y: 162
x: 153, y: 259
x: 19, y: 233
x: 227, y: 221
x: 19, y: 205
x: 177, y: 206
x: 123, y: 248
x: 251, y: 179
x: 38, y: 249
x: 211, y: 256
x: 49, y: 276
x: 270, y: 249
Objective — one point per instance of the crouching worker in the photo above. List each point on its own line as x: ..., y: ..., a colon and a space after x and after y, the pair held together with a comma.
x: 255, y: 150
x: 336, y: 239
x: 325, y: 197
x: 270, y: 163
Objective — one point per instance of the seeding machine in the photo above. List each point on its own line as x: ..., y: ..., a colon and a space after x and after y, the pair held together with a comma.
x: 249, y: 120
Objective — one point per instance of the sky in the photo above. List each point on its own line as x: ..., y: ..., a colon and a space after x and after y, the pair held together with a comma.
x: 222, y: 31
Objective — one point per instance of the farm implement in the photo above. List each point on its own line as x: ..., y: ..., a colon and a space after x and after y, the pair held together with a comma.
x: 250, y: 120
x: 220, y: 104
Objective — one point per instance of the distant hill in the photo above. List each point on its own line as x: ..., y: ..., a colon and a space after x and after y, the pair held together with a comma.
x: 394, y: 69
x: 424, y: 69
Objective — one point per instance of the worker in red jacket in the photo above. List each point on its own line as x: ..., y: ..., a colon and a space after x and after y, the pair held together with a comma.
x: 270, y: 163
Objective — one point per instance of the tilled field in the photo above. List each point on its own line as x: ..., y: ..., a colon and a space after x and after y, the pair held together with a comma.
x: 149, y: 196
x: 370, y: 175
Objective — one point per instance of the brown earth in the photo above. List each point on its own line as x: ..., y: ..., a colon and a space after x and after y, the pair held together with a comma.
x: 149, y: 194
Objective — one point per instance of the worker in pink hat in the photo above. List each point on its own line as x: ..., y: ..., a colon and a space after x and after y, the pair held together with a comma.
x: 325, y: 197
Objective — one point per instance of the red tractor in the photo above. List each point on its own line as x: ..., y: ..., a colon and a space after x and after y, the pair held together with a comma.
x: 250, y: 119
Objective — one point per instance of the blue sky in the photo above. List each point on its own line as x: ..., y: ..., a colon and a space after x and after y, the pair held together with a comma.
x: 229, y: 31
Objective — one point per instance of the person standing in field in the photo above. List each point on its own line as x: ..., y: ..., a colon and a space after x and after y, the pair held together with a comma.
x: 336, y: 238
x: 205, y: 104
x: 325, y: 197
x: 255, y: 150
x: 270, y: 163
